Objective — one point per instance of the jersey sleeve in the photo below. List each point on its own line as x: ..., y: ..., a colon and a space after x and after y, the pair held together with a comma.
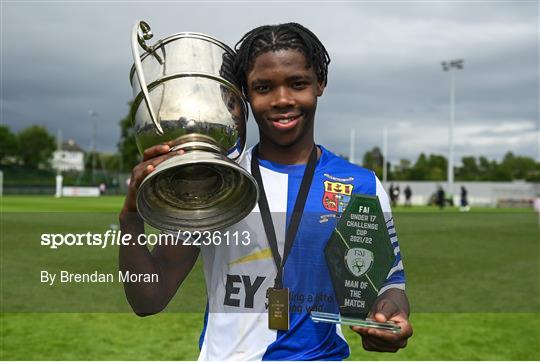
x: 396, y: 276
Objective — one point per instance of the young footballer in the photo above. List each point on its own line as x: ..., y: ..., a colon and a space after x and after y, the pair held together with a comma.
x: 283, y: 71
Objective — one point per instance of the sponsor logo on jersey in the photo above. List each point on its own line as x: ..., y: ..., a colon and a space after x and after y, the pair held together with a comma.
x: 334, y: 178
x: 359, y: 261
x: 326, y: 217
x: 240, y: 290
x: 336, y: 195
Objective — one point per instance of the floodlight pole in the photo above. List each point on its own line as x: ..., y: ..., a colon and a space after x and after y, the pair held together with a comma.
x: 450, y: 186
x: 351, y: 146
x: 384, y: 154
x: 59, y: 177
x: 59, y: 149
x: 450, y: 66
x: 93, y: 114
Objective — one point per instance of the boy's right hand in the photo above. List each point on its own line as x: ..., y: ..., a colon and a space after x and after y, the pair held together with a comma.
x: 152, y: 157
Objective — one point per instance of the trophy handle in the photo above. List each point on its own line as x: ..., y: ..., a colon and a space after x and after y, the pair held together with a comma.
x: 141, y: 32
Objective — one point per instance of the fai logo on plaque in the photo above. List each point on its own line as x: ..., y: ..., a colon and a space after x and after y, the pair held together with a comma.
x: 336, y: 195
x: 359, y: 261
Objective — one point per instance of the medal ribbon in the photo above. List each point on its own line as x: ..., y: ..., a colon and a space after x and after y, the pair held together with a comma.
x: 296, y: 217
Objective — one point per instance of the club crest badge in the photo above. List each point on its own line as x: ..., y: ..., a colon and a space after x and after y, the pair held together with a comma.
x: 359, y: 261
x: 336, y: 196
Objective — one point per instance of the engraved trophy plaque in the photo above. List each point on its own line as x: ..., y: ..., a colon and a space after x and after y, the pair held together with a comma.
x: 359, y: 256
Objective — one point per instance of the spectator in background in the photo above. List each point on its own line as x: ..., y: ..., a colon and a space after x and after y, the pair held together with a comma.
x: 464, y: 204
x: 440, y: 197
x: 396, y: 192
x: 392, y: 195
x: 408, y: 195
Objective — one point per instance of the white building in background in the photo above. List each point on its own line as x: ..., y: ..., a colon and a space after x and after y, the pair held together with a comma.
x: 69, y: 158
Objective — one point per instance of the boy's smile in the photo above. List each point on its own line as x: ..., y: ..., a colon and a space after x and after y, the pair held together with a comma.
x: 283, y: 91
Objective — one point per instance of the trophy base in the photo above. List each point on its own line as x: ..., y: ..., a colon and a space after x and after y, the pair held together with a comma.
x: 368, y: 323
x: 196, y: 191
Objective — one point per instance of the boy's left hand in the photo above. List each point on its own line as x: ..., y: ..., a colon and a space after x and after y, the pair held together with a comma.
x: 384, y: 341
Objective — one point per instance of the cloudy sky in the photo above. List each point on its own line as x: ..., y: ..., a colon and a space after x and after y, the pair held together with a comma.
x: 62, y: 59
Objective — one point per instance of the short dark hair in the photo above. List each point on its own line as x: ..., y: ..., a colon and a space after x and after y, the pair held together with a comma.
x: 277, y: 37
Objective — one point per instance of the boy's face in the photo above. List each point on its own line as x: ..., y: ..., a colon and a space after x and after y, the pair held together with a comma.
x: 283, y: 93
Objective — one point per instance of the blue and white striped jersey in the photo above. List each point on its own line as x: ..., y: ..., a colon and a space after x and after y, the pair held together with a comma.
x: 237, y: 277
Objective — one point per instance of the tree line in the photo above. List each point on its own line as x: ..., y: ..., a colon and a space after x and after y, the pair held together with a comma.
x: 434, y: 167
x: 33, y: 148
x: 25, y: 158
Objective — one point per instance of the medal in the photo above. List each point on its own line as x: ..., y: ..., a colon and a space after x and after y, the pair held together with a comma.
x: 278, y: 297
x: 278, y: 308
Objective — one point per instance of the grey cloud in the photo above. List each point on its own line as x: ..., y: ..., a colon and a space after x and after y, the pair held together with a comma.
x: 62, y: 59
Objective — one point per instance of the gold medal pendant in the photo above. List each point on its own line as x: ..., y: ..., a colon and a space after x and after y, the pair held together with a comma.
x: 278, y: 309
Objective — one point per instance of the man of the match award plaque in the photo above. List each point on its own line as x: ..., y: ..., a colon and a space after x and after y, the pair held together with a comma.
x: 359, y: 256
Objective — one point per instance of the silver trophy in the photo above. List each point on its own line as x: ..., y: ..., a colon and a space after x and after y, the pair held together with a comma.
x: 185, y: 92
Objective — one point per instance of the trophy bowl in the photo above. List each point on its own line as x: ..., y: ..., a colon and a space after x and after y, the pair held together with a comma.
x: 185, y: 94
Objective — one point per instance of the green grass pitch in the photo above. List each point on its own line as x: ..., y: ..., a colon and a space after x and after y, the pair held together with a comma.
x: 472, y: 279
